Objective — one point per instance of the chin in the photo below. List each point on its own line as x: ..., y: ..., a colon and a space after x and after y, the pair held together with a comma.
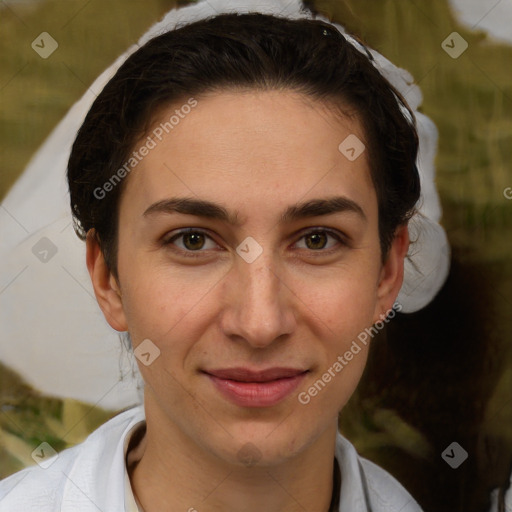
x: 266, y: 445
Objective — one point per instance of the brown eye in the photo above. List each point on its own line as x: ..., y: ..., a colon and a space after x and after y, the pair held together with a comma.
x: 193, y: 241
x: 319, y: 239
x: 316, y: 240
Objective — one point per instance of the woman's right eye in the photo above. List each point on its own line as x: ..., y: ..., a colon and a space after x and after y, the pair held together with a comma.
x: 191, y: 240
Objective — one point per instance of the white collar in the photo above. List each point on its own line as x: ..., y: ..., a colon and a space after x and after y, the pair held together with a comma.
x: 130, y: 502
x: 101, y: 458
x: 92, y: 476
x: 353, y: 488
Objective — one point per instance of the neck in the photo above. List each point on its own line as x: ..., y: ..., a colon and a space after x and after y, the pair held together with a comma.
x: 175, y: 473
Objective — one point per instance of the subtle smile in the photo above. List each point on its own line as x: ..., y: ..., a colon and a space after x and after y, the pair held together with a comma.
x: 248, y: 388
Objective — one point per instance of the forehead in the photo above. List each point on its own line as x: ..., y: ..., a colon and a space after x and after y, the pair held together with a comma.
x: 251, y: 149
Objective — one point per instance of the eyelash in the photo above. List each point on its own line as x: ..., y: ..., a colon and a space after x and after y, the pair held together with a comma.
x: 197, y: 254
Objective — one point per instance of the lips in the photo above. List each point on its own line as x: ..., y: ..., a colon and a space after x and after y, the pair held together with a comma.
x: 250, y: 388
x: 245, y: 375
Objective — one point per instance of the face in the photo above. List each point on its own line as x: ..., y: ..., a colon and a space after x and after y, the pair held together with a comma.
x: 248, y: 240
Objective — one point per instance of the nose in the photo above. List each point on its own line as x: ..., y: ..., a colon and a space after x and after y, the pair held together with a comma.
x: 258, y: 304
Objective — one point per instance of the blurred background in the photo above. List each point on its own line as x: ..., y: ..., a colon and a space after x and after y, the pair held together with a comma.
x: 441, y: 375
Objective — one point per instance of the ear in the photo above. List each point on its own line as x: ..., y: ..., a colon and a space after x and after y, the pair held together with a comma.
x: 392, y: 273
x: 106, y: 288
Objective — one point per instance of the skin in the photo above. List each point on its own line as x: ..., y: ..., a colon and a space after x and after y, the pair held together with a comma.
x: 300, y: 304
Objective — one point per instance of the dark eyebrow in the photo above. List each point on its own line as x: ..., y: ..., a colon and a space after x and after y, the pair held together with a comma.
x: 317, y: 207
x: 190, y: 206
x: 209, y: 209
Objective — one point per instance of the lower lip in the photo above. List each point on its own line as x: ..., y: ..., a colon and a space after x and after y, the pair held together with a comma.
x: 257, y: 394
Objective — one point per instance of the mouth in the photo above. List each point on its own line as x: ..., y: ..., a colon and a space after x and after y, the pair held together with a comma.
x: 249, y: 388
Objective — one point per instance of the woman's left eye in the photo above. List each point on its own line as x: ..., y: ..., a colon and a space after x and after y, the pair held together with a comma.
x: 318, y: 239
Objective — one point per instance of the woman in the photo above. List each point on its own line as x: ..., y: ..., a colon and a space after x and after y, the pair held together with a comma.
x: 244, y: 185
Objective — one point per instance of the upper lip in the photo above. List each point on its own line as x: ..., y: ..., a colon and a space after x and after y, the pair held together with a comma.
x: 246, y: 375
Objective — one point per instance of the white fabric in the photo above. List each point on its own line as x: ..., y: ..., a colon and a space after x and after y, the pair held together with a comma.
x: 92, y: 477
x: 53, y: 332
x: 507, y: 499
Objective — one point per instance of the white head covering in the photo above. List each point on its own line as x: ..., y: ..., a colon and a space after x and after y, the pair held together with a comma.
x: 54, y: 333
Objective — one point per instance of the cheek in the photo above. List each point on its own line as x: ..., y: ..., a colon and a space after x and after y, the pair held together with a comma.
x: 342, y: 300
x: 340, y: 313
x: 160, y: 301
x: 329, y: 389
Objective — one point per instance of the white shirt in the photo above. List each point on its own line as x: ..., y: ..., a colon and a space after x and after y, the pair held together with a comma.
x: 92, y: 477
x: 501, y: 500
